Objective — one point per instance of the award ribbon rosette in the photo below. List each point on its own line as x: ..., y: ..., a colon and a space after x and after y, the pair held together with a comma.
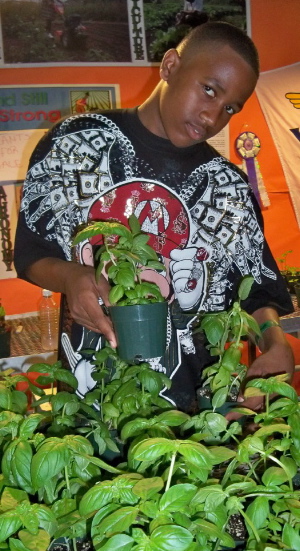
x: 248, y: 146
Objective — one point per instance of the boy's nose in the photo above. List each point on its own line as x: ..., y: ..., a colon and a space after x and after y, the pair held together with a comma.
x: 210, y: 117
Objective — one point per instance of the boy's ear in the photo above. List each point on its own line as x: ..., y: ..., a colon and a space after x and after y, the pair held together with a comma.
x: 170, y: 62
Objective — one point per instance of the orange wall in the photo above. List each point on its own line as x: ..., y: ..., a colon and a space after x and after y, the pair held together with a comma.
x: 275, y: 30
x: 19, y: 297
x: 135, y: 82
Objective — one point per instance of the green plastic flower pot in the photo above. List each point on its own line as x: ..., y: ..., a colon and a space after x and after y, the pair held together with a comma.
x: 141, y: 330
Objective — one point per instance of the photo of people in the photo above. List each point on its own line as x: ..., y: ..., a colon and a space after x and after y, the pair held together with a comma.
x: 102, y: 31
x: 58, y: 31
x: 166, y: 23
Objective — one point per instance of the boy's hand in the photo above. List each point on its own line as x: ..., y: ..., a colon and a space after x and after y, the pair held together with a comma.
x: 277, y: 360
x: 82, y: 290
x: 83, y: 293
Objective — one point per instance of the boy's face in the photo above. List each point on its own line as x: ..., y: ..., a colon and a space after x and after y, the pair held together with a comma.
x: 201, y: 93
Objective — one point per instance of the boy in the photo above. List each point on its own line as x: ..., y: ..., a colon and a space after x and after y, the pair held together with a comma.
x: 154, y: 161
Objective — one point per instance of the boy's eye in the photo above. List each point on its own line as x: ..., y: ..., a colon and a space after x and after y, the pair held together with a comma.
x: 209, y: 91
x: 229, y: 110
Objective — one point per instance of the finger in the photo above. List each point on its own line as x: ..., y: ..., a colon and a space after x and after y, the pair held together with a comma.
x: 102, y: 324
x: 94, y: 319
x: 102, y: 289
x: 180, y: 283
x: 179, y: 254
x: 184, y: 266
x: 233, y: 416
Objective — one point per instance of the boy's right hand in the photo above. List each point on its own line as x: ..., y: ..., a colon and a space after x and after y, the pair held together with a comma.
x: 82, y: 290
x: 83, y: 293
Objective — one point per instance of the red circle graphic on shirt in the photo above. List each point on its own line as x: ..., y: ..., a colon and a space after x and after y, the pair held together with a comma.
x: 160, y: 212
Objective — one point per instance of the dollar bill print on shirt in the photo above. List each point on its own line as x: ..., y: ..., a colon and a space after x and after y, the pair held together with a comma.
x: 201, y: 230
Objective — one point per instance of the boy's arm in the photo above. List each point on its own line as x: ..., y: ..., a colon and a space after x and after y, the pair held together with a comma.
x: 82, y: 290
x: 277, y: 356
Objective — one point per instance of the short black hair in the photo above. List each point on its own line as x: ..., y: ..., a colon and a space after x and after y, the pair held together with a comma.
x: 224, y: 33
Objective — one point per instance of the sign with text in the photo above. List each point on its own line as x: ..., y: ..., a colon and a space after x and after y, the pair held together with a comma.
x: 24, y: 108
x: 26, y: 113
x: 15, y: 151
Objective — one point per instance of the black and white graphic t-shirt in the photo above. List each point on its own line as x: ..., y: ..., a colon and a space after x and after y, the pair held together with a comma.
x: 197, y: 207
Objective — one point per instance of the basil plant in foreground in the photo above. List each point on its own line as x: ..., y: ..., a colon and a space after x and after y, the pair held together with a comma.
x: 134, y: 474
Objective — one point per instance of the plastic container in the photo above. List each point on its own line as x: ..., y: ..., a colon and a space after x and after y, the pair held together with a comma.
x: 141, y: 330
x: 48, y: 321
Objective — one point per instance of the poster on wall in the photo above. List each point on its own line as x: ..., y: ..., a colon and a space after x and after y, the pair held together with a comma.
x: 104, y: 32
x: 9, y: 208
x: 26, y: 113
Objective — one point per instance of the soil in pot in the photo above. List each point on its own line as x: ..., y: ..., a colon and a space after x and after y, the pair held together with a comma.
x: 66, y: 544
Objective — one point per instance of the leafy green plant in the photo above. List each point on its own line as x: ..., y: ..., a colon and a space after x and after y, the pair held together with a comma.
x: 282, y: 261
x: 51, y: 457
x: 224, y: 332
x: 178, y: 493
x: 177, y: 482
x: 124, y: 255
x: 291, y: 274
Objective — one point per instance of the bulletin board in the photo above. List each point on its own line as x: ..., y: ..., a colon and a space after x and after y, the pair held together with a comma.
x: 26, y: 113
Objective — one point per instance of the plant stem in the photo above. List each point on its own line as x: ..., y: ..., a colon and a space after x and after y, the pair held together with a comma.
x: 101, y: 399
x: 240, y: 329
x: 69, y: 493
x: 225, y: 335
x: 252, y: 469
x: 217, y: 545
x: 111, y: 254
x: 267, y: 403
x: 171, y: 471
x: 67, y: 480
x: 249, y: 521
x: 284, y: 468
x: 293, y: 495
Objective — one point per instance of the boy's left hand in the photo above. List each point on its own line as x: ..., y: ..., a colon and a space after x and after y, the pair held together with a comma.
x: 277, y: 360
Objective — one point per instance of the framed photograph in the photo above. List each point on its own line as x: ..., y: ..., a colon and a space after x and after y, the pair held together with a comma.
x: 114, y: 32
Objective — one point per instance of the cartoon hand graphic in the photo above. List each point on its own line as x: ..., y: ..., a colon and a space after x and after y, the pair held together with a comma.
x: 81, y: 367
x: 189, y: 274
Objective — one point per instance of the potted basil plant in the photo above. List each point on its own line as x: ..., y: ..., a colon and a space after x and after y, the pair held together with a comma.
x: 138, y: 309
